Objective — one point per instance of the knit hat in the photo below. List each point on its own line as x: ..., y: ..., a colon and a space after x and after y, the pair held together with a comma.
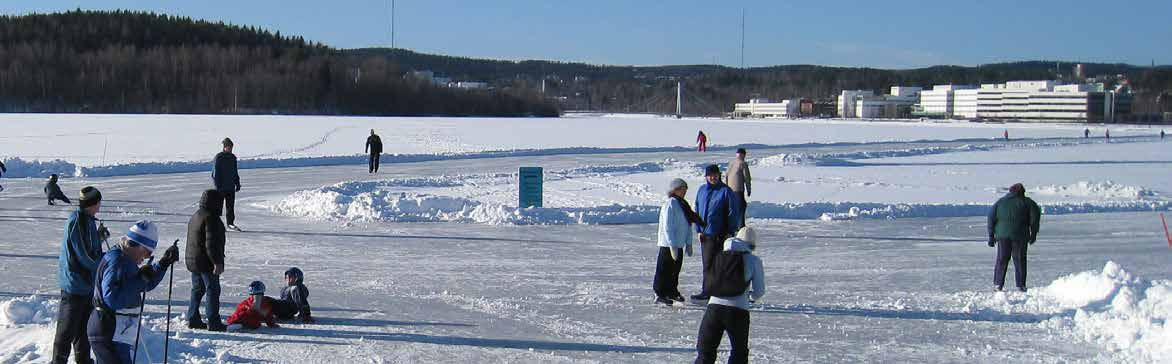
x: 675, y: 184
x: 145, y: 233
x: 227, y: 142
x: 748, y: 235
x: 256, y: 287
x: 711, y: 170
x: 89, y: 196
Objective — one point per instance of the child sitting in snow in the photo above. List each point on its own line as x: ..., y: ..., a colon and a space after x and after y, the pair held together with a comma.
x: 294, y: 298
x: 254, y: 310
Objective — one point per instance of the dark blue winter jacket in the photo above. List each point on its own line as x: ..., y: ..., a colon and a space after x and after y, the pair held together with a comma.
x: 224, y: 174
x: 119, y: 284
x: 717, y: 206
x: 81, y: 250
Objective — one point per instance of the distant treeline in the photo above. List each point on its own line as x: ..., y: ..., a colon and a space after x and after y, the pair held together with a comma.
x: 136, y: 62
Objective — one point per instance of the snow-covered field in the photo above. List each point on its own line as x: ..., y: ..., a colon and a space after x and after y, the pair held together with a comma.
x: 873, y: 236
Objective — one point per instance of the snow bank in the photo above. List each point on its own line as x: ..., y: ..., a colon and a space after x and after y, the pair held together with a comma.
x: 1087, y: 189
x: 27, y: 310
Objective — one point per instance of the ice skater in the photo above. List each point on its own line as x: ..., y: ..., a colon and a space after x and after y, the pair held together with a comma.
x: 738, y: 279
x: 702, y: 142
x: 374, y: 145
x: 53, y: 191
x: 226, y: 179
x: 676, y: 219
x: 294, y: 300
x: 113, y: 326
x: 720, y: 211
x: 205, y: 261
x: 1013, y: 225
x: 254, y: 310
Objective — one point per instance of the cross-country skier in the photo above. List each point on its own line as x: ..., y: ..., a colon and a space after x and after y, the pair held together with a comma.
x: 1013, y: 225
x: 374, y: 145
x: 226, y: 178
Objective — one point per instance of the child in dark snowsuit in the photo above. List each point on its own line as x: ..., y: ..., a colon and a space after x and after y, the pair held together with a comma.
x: 294, y: 298
x: 53, y: 192
x: 254, y: 310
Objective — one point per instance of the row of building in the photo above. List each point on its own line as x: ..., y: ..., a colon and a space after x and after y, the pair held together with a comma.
x: 1034, y: 101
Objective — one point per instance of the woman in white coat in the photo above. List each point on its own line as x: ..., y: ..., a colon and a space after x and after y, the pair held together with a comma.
x: 675, y: 240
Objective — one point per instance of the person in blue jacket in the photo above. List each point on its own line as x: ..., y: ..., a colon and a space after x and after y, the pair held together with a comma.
x: 80, y: 251
x: 226, y: 179
x: 118, y: 288
x: 720, y: 210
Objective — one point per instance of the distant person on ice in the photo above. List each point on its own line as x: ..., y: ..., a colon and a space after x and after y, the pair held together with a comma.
x: 1161, y: 138
x: 205, y: 261
x: 676, y: 219
x: 53, y: 191
x: 81, y: 250
x: 226, y: 178
x: 718, y: 207
x: 1006, y: 134
x: 702, y: 142
x: 1013, y: 225
x: 1086, y: 133
x: 294, y: 298
x: 374, y: 145
x: 254, y: 310
x: 113, y: 325
x: 1107, y: 134
x: 737, y: 270
x: 740, y: 181
x: 4, y: 169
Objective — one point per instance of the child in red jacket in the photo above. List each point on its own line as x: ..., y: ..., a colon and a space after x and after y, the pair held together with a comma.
x: 249, y: 314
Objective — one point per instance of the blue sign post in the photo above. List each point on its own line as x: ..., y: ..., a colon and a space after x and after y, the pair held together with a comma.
x: 529, y: 182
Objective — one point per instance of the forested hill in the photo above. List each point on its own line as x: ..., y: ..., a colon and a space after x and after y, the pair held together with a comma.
x: 136, y: 62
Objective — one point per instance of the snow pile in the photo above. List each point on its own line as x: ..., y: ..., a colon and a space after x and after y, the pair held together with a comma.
x: 33, y: 309
x: 1096, y: 190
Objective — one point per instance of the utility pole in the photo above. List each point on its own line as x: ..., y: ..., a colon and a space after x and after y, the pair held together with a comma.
x: 742, y: 38
x: 392, y: 24
x: 679, y: 99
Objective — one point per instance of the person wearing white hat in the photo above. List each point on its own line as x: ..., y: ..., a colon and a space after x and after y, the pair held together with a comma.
x: 674, y: 240
x: 113, y: 326
x: 730, y: 314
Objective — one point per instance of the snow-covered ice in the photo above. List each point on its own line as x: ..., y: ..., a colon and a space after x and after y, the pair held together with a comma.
x: 873, y: 237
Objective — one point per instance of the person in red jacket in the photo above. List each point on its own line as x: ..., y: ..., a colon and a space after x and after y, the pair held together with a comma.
x: 702, y: 140
x: 254, y: 310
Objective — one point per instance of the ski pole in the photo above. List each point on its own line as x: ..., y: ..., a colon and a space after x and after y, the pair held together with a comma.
x: 167, y: 334
x: 1166, y: 234
x: 141, y: 307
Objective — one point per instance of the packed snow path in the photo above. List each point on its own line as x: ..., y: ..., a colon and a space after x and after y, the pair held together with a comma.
x: 903, y: 290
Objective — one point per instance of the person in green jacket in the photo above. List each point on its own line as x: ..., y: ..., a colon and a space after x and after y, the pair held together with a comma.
x: 1013, y: 225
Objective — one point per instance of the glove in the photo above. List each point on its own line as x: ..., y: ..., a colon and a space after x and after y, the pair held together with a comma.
x: 688, y: 249
x: 147, y: 273
x: 992, y: 242
x: 237, y: 188
x: 169, y: 257
x: 103, y: 232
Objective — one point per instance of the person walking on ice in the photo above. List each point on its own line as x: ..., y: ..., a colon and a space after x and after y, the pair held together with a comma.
x: 720, y: 211
x: 113, y: 326
x: 226, y: 178
x: 1013, y: 225
x: 702, y: 142
x: 53, y: 191
x: 205, y: 261
x: 374, y: 145
x: 737, y: 279
x: 674, y: 241
x: 740, y: 181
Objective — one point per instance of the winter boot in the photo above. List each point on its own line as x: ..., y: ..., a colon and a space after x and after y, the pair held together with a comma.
x: 663, y: 301
x: 196, y: 324
x: 218, y: 327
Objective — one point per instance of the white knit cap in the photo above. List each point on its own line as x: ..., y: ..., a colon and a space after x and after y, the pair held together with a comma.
x: 145, y: 233
x: 676, y: 183
x: 748, y: 235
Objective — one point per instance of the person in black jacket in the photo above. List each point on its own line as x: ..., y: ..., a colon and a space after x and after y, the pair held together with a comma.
x: 53, y: 191
x: 294, y: 298
x: 226, y: 179
x: 205, y: 261
x: 374, y: 145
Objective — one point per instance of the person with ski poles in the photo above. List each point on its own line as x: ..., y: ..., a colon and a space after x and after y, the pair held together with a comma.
x: 119, y: 292
x: 81, y: 250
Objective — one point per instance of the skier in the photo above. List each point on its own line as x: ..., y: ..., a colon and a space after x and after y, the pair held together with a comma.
x: 113, y: 326
x: 702, y: 140
x: 730, y: 314
x: 740, y: 181
x: 374, y: 145
x: 720, y: 210
x: 205, y: 261
x: 4, y: 170
x: 675, y: 239
x: 254, y: 310
x: 81, y: 249
x: 1013, y: 224
x: 294, y: 298
x: 226, y: 178
x: 53, y: 191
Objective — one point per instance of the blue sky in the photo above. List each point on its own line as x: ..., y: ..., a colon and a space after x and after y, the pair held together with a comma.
x: 885, y: 34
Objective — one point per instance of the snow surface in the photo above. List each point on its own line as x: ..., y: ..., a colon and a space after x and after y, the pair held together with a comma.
x: 430, y: 260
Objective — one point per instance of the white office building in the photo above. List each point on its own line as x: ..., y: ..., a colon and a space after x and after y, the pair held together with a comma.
x: 848, y: 102
x: 941, y: 101
x: 1040, y: 101
x: 866, y: 105
x: 764, y: 108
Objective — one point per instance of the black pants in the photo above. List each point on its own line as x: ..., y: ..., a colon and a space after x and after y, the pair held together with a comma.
x: 230, y: 207
x: 667, y: 273
x: 374, y: 161
x: 744, y: 207
x: 710, y: 246
x: 718, y: 320
x: 72, y: 317
x: 1007, y: 249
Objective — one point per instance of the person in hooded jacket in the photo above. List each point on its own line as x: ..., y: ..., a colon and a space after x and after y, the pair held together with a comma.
x: 53, y: 191
x: 1013, y: 225
x: 294, y: 298
x: 730, y: 315
x: 674, y: 240
x: 113, y: 326
x: 205, y: 261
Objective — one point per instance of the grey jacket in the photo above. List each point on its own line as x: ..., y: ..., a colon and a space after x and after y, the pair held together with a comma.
x: 739, y: 179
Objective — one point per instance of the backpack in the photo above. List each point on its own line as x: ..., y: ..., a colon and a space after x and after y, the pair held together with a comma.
x: 726, y: 276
